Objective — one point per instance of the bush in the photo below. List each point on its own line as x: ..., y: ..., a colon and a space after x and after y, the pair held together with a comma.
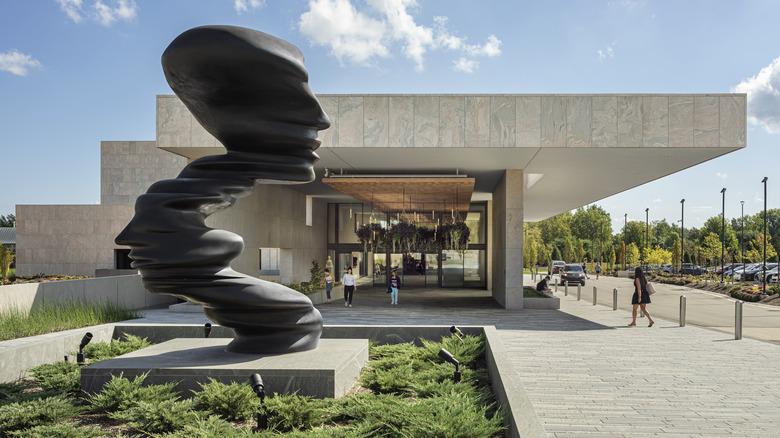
x: 120, y: 394
x: 210, y: 427
x: 158, y: 417
x: 292, y: 412
x: 18, y: 416
x: 59, y: 431
x: 59, y: 376
x: 100, y: 351
x: 232, y: 402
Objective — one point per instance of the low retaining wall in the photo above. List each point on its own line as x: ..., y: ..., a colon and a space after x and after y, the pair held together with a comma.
x: 18, y: 355
x: 125, y: 290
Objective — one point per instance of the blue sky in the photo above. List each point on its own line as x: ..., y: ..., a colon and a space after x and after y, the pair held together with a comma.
x: 75, y: 72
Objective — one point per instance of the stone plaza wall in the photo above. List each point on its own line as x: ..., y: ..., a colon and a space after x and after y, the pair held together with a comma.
x: 68, y: 239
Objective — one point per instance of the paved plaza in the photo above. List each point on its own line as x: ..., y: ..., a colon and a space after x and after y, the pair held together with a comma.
x: 588, y: 374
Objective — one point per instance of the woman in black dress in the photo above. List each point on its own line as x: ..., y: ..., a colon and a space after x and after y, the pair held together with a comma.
x: 641, y: 297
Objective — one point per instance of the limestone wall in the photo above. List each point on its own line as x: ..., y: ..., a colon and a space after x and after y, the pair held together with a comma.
x: 68, y: 239
x: 128, y: 168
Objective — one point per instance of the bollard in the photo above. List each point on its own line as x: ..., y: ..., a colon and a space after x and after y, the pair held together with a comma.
x: 595, y: 293
x: 579, y: 290
x: 556, y: 287
x: 738, y: 320
x: 682, y: 310
x: 614, y: 299
x: 566, y: 288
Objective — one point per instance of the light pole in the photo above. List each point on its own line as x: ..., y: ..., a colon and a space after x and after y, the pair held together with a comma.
x: 647, y: 230
x: 742, y: 239
x: 722, y: 233
x: 625, y: 245
x: 764, y: 273
x: 682, y: 233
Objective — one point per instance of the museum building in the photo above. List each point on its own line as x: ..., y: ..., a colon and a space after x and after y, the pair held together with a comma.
x: 437, y: 187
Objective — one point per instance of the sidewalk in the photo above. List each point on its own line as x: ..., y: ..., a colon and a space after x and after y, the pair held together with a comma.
x: 705, y: 309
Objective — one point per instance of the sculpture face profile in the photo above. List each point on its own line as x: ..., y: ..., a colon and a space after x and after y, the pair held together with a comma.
x: 250, y: 90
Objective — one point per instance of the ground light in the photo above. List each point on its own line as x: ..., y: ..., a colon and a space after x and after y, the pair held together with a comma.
x: 458, y: 334
x: 259, y: 389
x: 447, y: 356
x: 207, y: 329
x: 84, y: 341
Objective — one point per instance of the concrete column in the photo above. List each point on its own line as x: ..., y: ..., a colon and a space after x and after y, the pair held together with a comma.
x: 508, y: 240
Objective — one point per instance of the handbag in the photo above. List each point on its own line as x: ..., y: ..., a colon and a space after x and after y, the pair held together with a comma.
x: 650, y: 288
x: 388, y: 290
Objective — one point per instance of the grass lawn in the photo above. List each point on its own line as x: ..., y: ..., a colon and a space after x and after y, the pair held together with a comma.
x: 49, y: 318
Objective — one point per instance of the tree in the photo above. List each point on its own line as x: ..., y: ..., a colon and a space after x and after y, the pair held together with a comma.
x: 556, y: 253
x: 591, y: 223
x: 711, y: 247
x: 676, y: 250
x: 612, y: 258
x: 529, y: 251
x: 580, y: 251
x: 7, y: 221
x: 632, y: 254
x: 556, y: 227
x: 622, y: 254
x: 658, y: 256
x: 756, y: 253
x: 635, y: 233
x: 569, y: 251
x: 6, y: 258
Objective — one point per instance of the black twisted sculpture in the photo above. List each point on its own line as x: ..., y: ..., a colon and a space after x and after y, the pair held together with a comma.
x: 250, y: 90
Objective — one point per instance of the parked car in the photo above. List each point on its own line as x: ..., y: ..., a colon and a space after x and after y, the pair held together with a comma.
x: 755, y: 273
x: 572, y: 273
x: 667, y: 269
x: 739, y: 273
x: 759, y: 275
x: 557, y: 265
x: 691, y: 269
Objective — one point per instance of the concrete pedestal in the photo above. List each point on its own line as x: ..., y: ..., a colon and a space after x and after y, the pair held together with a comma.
x: 328, y: 371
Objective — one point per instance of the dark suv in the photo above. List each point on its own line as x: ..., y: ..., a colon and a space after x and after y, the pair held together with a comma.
x: 572, y: 274
x: 690, y: 269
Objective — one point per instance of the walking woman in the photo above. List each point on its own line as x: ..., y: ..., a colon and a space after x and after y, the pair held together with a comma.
x: 348, y: 286
x: 641, y: 298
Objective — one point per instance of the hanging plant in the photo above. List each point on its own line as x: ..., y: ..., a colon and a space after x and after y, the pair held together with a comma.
x: 425, y: 239
x: 371, y: 236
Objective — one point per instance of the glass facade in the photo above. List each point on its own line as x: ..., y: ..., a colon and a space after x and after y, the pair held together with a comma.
x: 418, y: 265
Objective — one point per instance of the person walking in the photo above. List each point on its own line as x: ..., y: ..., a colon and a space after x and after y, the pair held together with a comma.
x: 641, y: 298
x: 394, y: 285
x: 348, y: 286
x: 598, y: 270
x: 328, y: 283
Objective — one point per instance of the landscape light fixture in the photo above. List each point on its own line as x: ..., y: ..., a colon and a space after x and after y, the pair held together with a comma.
x: 458, y: 334
x: 259, y: 389
x: 84, y: 341
x: 448, y: 357
x: 207, y: 329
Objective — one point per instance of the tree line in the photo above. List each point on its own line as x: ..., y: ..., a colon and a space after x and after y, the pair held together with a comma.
x: 586, y: 236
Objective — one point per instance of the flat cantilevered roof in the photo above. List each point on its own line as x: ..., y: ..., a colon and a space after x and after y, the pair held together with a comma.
x: 573, y: 149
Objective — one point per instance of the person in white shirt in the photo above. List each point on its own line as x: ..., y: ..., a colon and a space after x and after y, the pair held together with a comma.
x: 348, y: 286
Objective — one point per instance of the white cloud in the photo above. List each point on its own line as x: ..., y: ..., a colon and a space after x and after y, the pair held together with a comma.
x: 606, y: 53
x: 656, y: 200
x: 72, y: 8
x: 763, y: 97
x: 17, y: 63
x: 360, y: 37
x: 721, y: 175
x: 465, y: 65
x: 245, y: 5
x: 103, y: 13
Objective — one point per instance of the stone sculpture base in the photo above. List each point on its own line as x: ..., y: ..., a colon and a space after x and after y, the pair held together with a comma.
x: 330, y: 370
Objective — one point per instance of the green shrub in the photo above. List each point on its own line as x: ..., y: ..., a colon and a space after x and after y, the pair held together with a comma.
x: 59, y: 431
x: 99, y: 351
x: 158, y: 417
x: 209, y: 427
x: 292, y: 412
x: 63, y: 376
x: 18, y: 416
x: 120, y: 394
x: 774, y: 290
x: 232, y: 402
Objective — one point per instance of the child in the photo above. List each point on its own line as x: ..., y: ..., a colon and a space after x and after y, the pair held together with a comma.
x: 394, y: 285
x: 328, y: 283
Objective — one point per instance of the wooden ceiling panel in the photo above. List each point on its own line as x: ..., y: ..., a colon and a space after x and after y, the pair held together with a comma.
x: 408, y: 194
